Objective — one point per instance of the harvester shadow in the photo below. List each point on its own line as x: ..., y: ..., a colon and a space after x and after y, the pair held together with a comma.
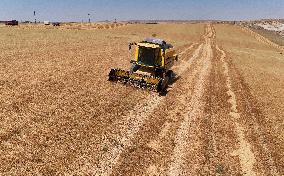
x: 166, y: 91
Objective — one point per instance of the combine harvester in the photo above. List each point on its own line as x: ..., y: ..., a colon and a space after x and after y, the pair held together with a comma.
x: 151, y: 66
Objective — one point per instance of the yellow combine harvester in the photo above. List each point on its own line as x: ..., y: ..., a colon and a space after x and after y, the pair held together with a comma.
x: 151, y: 66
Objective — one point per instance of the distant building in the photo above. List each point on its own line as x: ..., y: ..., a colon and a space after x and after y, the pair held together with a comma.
x: 46, y: 22
x: 12, y: 23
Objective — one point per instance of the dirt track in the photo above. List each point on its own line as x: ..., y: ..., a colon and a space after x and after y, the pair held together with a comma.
x: 208, y: 124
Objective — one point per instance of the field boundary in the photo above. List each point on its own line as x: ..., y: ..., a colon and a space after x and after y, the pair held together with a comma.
x: 261, y: 38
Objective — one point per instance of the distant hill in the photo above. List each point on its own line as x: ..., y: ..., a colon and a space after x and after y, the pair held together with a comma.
x: 168, y: 21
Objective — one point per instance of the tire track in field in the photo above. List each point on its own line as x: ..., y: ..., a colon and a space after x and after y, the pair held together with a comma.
x: 185, y: 58
x: 245, y: 154
x: 248, y: 159
x: 187, y: 143
x: 258, y: 130
x: 181, y: 54
x: 218, y: 138
x: 130, y: 127
x: 182, y: 48
x: 176, y: 115
x: 186, y: 64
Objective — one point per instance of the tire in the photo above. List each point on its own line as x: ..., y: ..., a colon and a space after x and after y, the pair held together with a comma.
x: 165, y: 83
x: 111, y: 75
x: 170, y: 75
x: 134, y: 68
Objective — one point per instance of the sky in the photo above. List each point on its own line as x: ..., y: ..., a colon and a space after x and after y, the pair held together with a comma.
x: 99, y: 10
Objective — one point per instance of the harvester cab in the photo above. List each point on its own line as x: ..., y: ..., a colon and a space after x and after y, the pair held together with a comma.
x: 150, y: 67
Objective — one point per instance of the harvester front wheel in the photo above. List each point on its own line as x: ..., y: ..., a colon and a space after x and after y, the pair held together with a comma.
x: 167, y: 78
x: 163, y: 84
x: 170, y: 74
x: 134, y: 68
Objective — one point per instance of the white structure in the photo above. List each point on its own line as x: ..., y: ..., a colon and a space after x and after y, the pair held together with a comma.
x: 46, y: 22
